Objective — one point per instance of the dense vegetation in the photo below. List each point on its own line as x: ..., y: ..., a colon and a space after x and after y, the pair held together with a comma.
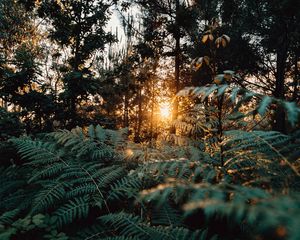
x: 181, y: 123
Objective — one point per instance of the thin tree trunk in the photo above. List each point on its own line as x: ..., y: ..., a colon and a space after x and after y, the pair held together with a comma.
x: 152, y: 113
x: 126, y: 111
x: 177, y: 66
x: 73, y: 112
x: 177, y: 76
x: 139, y: 117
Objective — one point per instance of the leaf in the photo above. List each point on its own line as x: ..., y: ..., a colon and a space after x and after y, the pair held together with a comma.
x: 77, y: 208
x: 218, y: 41
x: 224, y: 42
x: 230, y: 72
x: 264, y: 105
x: 227, y: 38
x: 209, y: 91
x: 234, y: 94
x: 227, y: 76
x: 91, y: 132
x: 100, y: 133
x: 206, y: 60
x: 204, y: 38
x: 38, y: 219
x: 219, y: 79
x: 187, y: 91
x: 222, y: 89
x: 292, y: 112
x: 198, y: 63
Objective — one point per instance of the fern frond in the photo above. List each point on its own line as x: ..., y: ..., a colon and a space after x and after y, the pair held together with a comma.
x: 128, y: 186
x: 119, y: 238
x: 81, y: 190
x: 21, y: 199
x: 132, y: 226
x: 48, y: 171
x: 50, y: 193
x: 94, y: 232
x: 240, y: 96
x: 166, y: 215
x: 77, y: 208
x: 126, y: 224
x: 7, y: 217
x: 98, y: 144
x: 38, y: 152
x: 251, y: 146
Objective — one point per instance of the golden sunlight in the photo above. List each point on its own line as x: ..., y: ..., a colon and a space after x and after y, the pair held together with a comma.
x: 165, y: 110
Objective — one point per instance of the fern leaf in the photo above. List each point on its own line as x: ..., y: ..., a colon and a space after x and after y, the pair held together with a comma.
x: 77, y: 208
x: 37, y: 151
x: 100, y: 133
x: 292, y: 112
x: 47, y: 172
x: 46, y: 198
x: 126, y: 224
x: 264, y: 105
x: 81, y: 190
x: 166, y: 215
x: 7, y: 217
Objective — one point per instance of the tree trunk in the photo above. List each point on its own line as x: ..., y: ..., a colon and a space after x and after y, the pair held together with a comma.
x: 137, y: 138
x: 77, y: 61
x: 177, y: 67
x: 177, y: 77
x: 126, y: 111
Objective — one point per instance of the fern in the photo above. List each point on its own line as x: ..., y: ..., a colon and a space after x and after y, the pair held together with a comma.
x: 50, y: 194
x: 166, y: 215
x: 96, y: 231
x: 74, y: 209
x: 240, y: 96
x: 7, y: 217
x: 267, y: 153
x: 132, y: 226
x: 48, y: 172
x: 37, y: 151
x: 165, y: 186
x: 97, y: 144
x: 119, y: 238
x: 125, y: 188
x: 126, y: 224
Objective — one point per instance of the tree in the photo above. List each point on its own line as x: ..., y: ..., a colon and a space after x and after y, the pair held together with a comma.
x: 79, y: 26
x: 272, y: 29
x: 20, y: 54
x: 167, y: 24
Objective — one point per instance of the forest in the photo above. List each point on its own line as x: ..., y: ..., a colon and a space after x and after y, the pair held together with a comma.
x: 149, y: 119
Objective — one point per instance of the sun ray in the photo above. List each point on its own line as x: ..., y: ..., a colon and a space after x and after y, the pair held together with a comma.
x: 165, y: 111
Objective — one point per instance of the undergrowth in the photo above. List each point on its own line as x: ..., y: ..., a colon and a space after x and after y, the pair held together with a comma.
x: 94, y: 184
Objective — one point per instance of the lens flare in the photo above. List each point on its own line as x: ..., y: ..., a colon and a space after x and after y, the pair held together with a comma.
x: 165, y: 111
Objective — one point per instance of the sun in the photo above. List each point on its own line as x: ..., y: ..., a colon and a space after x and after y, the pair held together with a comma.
x: 165, y: 111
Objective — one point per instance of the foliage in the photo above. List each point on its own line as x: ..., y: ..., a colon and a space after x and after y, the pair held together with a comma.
x: 64, y: 181
x: 225, y: 165
x: 9, y: 125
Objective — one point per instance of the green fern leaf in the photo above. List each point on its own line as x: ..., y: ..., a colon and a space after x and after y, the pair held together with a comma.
x: 77, y: 208
x: 292, y: 112
x: 46, y: 198
x: 264, y: 105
